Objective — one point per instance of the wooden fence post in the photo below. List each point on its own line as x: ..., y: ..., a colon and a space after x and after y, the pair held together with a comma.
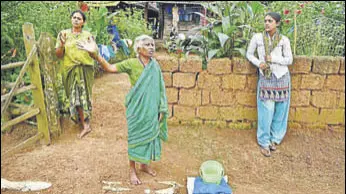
x: 48, y: 69
x: 35, y: 78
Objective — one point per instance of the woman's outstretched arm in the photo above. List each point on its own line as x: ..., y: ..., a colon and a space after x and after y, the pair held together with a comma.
x: 91, y: 47
x: 106, y: 66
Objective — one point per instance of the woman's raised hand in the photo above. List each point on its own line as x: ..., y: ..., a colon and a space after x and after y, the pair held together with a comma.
x: 62, y: 38
x: 88, y: 45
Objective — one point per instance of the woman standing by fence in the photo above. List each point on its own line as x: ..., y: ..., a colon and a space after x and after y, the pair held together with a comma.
x: 274, y: 84
x: 77, y: 71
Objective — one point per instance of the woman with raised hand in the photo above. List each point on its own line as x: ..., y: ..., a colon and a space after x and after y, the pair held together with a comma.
x: 274, y: 83
x: 77, y: 71
x: 146, y: 103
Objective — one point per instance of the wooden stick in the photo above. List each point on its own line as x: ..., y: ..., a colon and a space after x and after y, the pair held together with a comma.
x: 35, y: 78
x: 19, y: 119
x: 24, y: 144
x: 12, y: 65
x: 19, y: 91
x: 18, y: 109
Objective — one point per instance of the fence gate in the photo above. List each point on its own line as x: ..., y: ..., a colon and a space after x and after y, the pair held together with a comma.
x: 46, y: 119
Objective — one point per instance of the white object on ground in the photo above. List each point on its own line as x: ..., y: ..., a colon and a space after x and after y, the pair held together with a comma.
x: 174, y: 186
x: 24, y: 185
x: 191, y: 183
x: 111, y: 183
x: 115, y: 189
x: 113, y: 186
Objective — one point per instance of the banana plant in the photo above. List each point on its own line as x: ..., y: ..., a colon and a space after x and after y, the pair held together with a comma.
x: 232, y: 27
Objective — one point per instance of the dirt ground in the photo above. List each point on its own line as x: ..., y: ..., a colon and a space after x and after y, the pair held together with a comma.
x: 307, y: 161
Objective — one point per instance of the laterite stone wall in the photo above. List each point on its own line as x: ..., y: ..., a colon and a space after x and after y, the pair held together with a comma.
x: 224, y: 95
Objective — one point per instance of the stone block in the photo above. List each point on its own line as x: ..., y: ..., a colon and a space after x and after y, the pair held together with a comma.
x: 301, y: 64
x: 332, y: 116
x: 234, y: 82
x: 208, y: 81
x: 184, y: 112
x: 167, y: 77
x: 208, y: 112
x: 238, y: 113
x: 324, y: 99
x: 184, y: 80
x: 190, y: 97
x: 295, y: 81
x: 243, y: 66
x: 306, y: 115
x: 312, y: 81
x: 251, y: 82
x: 223, y: 98
x: 167, y: 63
x: 247, y: 98
x: 220, y: 66
x: 335, y: 82
x: 291, y: 113
x: 326, y: 65
x: 205, y: 97
x: 172, y: 95
x: 341, y: 102
x: 192, y: 64
x: 300, y: 98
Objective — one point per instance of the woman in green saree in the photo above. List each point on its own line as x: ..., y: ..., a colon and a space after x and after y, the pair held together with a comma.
x: 77, y: 71
x: 146, y: 103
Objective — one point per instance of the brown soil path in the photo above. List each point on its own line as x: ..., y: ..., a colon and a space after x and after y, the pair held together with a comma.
x: 307, y: 162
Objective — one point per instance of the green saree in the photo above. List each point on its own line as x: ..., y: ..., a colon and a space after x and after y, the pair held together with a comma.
x: 144, y: 102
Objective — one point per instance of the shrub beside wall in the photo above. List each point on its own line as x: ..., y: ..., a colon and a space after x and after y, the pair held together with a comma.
x: 224, y: 95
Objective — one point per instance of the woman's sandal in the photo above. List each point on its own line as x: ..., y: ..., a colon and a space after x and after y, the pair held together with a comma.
x: 265, y: 152
x: 272, y: 146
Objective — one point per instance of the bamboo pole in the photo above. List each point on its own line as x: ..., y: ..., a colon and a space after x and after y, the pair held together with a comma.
x: 35, y: 77
x: 48, y: 65
x: 19, y: 119
x: 24, y: 144
x: 12, y: 65
x: 18, y: 91
x: 31, y: 53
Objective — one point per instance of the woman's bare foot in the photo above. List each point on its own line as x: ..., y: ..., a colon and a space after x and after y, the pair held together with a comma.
x: 86, y: 130
x: 146, y: 168
x: 133, y: 178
